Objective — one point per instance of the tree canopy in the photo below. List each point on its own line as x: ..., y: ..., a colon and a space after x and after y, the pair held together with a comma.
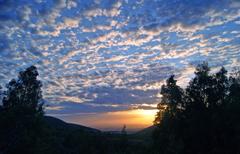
x: 21, y: 113
x: 203, y: 118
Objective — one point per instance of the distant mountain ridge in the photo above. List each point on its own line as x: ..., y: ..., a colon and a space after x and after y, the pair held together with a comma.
x: 60, y: 124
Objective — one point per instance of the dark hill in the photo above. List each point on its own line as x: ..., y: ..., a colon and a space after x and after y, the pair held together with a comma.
x: 147, y: 132
x: 60, y: 124
x: 142, y: 137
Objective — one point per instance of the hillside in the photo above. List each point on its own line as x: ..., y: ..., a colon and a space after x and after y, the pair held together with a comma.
x: 60, y: 124
x: 146, y: 132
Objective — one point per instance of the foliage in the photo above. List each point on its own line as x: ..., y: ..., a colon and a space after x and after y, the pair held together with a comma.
x: 21, y: 113
x: 203, y: 118
x: 25, y: 129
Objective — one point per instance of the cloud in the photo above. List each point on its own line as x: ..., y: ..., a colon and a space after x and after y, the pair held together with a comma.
x: 112, y: 12
x: 54, y: 108
x: 68, y: 23
x: 114, y: 55
x: 70, y: 108
x: 25, y: 13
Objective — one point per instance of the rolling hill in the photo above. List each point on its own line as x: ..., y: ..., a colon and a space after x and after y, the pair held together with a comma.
x: 60, y: 124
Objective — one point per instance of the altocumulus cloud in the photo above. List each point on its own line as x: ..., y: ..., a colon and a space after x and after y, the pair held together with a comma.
x: 109, y: 55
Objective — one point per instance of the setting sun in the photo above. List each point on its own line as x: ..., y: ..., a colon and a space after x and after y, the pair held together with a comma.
x: 119, y: 76
x: 135, y: 119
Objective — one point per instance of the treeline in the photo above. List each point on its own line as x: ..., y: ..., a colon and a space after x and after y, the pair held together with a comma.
x: 204, y: 118
x: 25, y: 130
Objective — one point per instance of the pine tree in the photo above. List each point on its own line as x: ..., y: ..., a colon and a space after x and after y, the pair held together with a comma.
x: 172, y: 99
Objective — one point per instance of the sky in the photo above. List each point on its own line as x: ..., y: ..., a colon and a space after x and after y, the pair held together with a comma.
x: 102, y: 62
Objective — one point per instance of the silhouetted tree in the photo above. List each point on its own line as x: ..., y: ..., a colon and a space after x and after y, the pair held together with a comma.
x: 25, y: 93
x: 208, y: 119
x: 199, y: 87
x: 21, y: 113
x: 124, y: 140
x: 171, y: 105
x: 172, y: 99
x: 123, y: 131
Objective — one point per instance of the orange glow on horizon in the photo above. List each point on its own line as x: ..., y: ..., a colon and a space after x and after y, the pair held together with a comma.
x: 135, y: 119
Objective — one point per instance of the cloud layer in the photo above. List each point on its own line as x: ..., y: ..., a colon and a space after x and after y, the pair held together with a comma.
x: 105, y: 55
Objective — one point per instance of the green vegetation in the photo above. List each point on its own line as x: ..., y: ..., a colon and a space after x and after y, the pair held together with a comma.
x: 203, y: 118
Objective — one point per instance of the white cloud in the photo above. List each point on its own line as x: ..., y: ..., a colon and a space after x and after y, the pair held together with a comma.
x: 68, y: 23
x: 112, y: 12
